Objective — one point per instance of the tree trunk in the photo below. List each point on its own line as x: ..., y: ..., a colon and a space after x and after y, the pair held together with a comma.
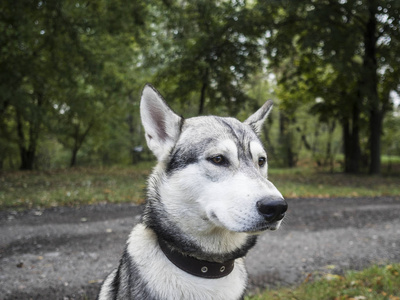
x: 376, y: 120
x: 355, y: 150
x: 78, y: 141
x: 203, y: 92
x: 346, y: 145
x: 73, y: 157
x: 370, y: 89
x: 351, y: 140
x: 27, y: 159
x: 28, y: 145
x: 285, y: 140
x: 27, y: 154
x: 329, y: 155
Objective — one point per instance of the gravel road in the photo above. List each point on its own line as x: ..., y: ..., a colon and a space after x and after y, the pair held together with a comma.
x: 64, y: 253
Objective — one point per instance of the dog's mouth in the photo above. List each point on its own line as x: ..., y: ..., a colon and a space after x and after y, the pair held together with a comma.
x: 253, y: 225
x: 264, y: 226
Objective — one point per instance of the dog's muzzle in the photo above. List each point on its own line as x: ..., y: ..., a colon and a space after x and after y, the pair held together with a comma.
x: 273, y: 210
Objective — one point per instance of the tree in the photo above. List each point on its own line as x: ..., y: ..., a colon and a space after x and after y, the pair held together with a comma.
x: 336, y: 51
x: 58, y: 53
x: 381, y: 41
x: 209, y: 56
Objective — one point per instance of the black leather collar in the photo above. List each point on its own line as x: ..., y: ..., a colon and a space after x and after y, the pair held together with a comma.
x: 196, y: 267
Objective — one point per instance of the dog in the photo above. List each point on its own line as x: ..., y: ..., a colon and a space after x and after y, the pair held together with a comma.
x: 208, y: 199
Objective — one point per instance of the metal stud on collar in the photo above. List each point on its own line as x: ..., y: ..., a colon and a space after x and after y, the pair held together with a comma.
x: 222, y: 269
x: 204, y: 269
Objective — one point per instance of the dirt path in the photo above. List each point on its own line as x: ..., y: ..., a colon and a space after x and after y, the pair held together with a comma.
x: 64, y: 253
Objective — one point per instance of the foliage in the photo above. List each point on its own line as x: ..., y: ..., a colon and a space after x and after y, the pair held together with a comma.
x: 64, y: 68
x: 335, y: 54
x: 376, y: 282
x: 209, y: 55
x: 71, y: 74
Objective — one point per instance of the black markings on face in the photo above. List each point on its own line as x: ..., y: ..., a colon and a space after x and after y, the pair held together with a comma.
x: 187, y: 152
x: 181, y: 158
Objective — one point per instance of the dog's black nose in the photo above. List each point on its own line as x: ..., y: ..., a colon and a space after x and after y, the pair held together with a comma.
x: 272, y: 210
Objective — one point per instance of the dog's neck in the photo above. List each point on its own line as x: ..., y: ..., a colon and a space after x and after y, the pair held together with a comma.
x: 212, y: 246
x: 189, y: 246
x: 194, y: 266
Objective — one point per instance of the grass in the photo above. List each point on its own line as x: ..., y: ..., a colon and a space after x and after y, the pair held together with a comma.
x: 305, y: 182
x: 73, y: 187
x: 80, y: 186
x: 377, y: 283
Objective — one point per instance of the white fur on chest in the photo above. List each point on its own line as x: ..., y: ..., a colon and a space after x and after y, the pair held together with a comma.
x: 166, y: 281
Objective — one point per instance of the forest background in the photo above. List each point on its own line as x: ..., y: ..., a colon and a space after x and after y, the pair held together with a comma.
x: 71, y: 74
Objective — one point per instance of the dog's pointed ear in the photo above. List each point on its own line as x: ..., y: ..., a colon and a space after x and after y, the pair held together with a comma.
x: 257, y: 119
x: 162, y: 126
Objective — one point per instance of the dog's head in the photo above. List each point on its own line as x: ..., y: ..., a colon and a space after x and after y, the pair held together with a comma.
x: 212, y: 171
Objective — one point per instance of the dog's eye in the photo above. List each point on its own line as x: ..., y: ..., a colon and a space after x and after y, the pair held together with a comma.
x: 262, y: 161
x: 218, y: 160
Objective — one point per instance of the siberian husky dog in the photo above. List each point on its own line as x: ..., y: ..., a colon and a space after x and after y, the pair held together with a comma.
x: 208, y: 199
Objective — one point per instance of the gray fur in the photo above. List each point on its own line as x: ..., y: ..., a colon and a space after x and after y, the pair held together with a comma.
x: 188, y: 208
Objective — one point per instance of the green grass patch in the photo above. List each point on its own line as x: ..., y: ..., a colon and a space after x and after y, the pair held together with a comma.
x: 79, y: 186
x: 393, y: 159
x: 305, y: 182
x: 73, y: 187
x: 377, y: 283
